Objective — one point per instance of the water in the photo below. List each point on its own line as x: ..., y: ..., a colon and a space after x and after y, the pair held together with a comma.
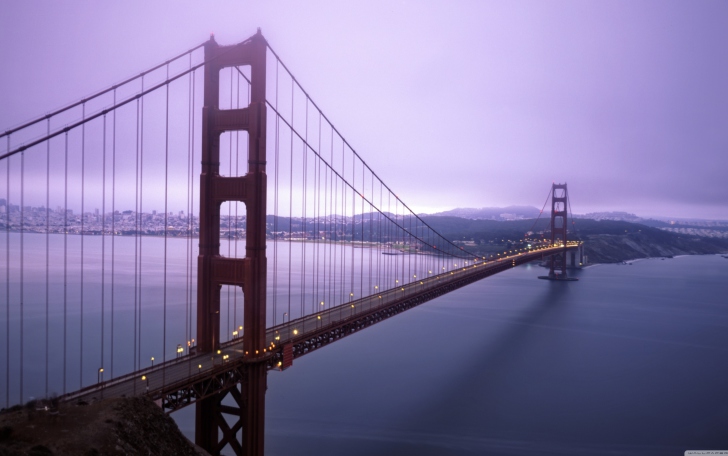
x: 122, y: 303
x: 93, y: 319
x: 630, y: 360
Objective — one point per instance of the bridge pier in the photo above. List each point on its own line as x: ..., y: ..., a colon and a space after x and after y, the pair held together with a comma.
x: 212, y: 431
x: 576, y: 259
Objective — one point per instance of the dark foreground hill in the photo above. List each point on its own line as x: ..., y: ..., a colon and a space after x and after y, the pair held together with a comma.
x: 131, y: 426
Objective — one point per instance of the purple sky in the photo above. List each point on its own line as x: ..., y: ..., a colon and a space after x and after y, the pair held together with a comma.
x: 453, y: 104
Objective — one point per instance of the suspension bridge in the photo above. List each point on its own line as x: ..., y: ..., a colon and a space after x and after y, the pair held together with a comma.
x: 210, y: 224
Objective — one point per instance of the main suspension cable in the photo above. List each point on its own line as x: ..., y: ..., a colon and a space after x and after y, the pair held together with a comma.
x: 115, y: 106
x: 353, y: 151
x: 344, y: 181
x: 97, y: 94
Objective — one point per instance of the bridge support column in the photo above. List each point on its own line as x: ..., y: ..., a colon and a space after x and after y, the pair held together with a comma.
x: 211, y: 429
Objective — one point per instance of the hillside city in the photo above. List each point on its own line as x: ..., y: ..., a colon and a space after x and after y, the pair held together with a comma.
x: 128, y: 222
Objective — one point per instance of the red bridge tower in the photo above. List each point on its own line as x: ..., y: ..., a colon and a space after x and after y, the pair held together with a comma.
x: 559, y: 215
x: 211, y: 429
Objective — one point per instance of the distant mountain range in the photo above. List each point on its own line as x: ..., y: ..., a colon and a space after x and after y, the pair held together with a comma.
x: 492, y: 213
x: 530, y: 212
x: 507, y: 213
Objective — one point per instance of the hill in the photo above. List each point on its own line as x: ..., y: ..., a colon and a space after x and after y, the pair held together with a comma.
x: 607, y: 241
x: 492, y: 213
x: 111, y: 427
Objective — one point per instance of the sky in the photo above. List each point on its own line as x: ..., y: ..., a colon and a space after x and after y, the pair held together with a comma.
x: 451, y: 103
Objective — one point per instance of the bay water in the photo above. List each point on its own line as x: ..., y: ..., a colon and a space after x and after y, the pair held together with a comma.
x: 629, y: 360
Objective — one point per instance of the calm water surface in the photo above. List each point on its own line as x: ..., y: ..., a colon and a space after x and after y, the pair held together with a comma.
x: 115, y: 303
x: 630, y: 360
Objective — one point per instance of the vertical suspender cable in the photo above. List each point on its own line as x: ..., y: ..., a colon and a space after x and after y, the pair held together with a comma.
x: 317, y: 222
x: 7, y: 282
x: 362, y: 195
x: 333, y: 243
x: 290, y: 207
x: 166, y: 223
x: 353, y: 223
x: 275, y: 212
x: 391, y: 241
x: 136, y: 232
x: 237, y: 204
x: 380, y: 239
x: 335, y: 235
x: 188, y: 285
x: 571, y: 213
x: 235, y: 238
x: 409, y: 249
x: 192, y: 193
x: 343, y: 224
x: 103, y: 240
x: 187, y: 209
x: 113, y: 227
x: 371, y: 236
x: 229, y: 224
x: 83, y: 194
x: 414, y: 239
x: 401, y: 233
x: 333, y: 225
x: 406, y: 256
x: 141, y: 218
x: 22, y: 252
x: 47, y: 271
x: 388, y: 260
x: 65, y: 261
x: 303, y: 218
x: 361, y: 283
x: 237, y: 224
x: 328, y: 198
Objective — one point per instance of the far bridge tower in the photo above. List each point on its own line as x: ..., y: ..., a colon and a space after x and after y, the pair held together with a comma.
x: 559, y: 216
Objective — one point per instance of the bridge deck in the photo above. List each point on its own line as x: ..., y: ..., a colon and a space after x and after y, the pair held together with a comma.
x: 182, y: 381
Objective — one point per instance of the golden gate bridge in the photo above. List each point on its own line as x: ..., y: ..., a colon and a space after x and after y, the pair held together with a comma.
x: 296, y: 242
